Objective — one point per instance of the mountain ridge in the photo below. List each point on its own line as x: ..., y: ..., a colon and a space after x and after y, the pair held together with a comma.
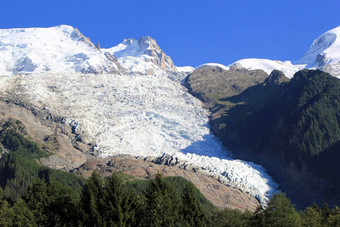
x: 323, y: 54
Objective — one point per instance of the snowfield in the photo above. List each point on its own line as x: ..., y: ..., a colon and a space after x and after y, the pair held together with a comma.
x: 139, y: 115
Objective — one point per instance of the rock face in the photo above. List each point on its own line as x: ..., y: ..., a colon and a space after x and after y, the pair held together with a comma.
x: 217, y: 193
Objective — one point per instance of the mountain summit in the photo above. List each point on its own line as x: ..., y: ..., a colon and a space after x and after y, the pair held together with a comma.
x: 324, y: 53
x: 56, y: 49
x: 142, y: 56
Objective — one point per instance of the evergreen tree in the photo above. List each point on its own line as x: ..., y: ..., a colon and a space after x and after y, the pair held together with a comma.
x: 280, y: 212
x: 22, y: 215
x: 6, y: 214
x: 162, y: 204
x: 120, y: 203
x: 192, y: 211
x: 37, y: 201
x: 311, y: 217
x: 92, y: 201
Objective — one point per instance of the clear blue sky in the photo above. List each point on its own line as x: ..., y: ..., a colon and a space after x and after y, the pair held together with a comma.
x: 191, y: 32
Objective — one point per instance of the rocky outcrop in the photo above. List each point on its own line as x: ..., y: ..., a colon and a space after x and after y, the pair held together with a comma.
x: 213, y: 83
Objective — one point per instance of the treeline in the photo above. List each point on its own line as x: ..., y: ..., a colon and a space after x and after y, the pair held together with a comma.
x: 110, y: 202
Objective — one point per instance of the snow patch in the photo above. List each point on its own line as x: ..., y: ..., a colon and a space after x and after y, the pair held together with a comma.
x: 214, y: 65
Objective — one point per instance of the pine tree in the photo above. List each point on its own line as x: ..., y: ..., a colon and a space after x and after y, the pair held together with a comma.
x: 192, y: 211
x: 120, y: 203
x: 37, y: 200
x: 280, y: 212
x: 92, y: 203
x: 22, y: 215
x: 311, y: 217
x: 162, y: 204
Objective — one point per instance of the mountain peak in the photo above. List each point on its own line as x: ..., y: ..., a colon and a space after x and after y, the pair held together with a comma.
x: 56, y: 49
x: 324, y: 50
x: 142, y: 56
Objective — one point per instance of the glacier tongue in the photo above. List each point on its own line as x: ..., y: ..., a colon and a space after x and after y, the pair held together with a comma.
x: 140, y: 115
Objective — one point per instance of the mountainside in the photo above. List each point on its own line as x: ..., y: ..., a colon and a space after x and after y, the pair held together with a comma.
x: 56, y: 49
x: 292, y: 128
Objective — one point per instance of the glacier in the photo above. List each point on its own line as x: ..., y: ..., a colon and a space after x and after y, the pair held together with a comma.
x: 127, y: 99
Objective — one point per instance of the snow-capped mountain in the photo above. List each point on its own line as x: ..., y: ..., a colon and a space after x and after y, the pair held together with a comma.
x: 138, y: 110
x: 56, y: 49
x: 142, y: 56
x: 324, y: 54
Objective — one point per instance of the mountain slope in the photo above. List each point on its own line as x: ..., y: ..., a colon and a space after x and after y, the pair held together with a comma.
x: 291, y: 128
x: 56, y: 49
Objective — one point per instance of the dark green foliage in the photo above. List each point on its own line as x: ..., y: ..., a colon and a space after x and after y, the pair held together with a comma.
x: 122, y: 204
x: 92, y: 201
x: 230, y: 218
x: 312, y: 217
x: 280, y: 212
x: 193, y: 214
x: 162, y: 205
x: 107, y: 203
x: 53, y: 204
x: 179, y: 184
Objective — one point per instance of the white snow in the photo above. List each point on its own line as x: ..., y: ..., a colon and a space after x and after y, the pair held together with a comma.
x: 56, y: 49
x: 185, y: 69
x: 213, y: 65
x: 269, y: 65
x: 327, y: 45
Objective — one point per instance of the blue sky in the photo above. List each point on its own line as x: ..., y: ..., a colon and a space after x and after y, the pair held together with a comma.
x: 191, y: 32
